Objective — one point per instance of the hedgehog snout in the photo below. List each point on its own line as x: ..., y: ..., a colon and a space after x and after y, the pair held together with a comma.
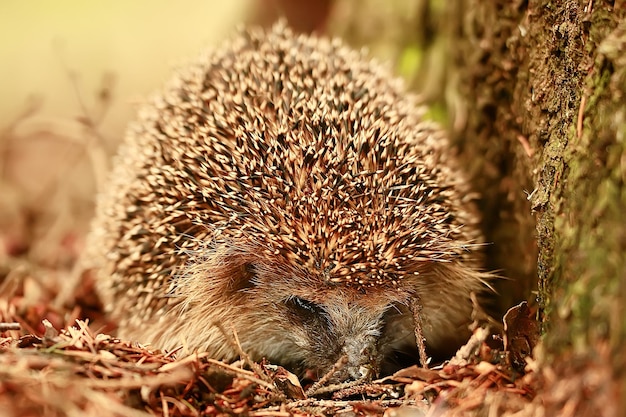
x: 361, y: 355
x: 347, y: 337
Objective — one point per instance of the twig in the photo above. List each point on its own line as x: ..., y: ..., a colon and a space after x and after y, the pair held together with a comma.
x: 341, y: 362
x: 416, y: 310
x: 242, y: 373
x: 312, y: 402
x: 529, y: 151
x: 182, y: 362
x: 339, y: 387
x: 32, y: 107
x: 581, y: 113
x: 244, y: 355
x: 5, y: 327
x: 270, y: 413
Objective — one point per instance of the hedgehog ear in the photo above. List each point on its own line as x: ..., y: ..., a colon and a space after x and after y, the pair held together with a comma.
x: 242, y: 277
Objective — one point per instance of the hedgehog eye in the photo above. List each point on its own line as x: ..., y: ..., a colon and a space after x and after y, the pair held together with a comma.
x: 305, y: 308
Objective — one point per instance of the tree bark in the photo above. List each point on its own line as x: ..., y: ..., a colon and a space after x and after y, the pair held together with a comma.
x: 550, y: 80
x: 534, y: 94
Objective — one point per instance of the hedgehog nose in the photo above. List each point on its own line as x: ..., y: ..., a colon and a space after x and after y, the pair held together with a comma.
x: 361, y: 354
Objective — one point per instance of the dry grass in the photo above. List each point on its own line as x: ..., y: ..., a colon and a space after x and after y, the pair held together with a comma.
x: 78, y: 372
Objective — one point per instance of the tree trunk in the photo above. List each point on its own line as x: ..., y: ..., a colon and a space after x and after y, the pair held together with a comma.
x: 535, y: 97
x: 553, y: 73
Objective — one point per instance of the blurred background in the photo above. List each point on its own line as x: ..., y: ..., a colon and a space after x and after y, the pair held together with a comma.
x: 73, y: 73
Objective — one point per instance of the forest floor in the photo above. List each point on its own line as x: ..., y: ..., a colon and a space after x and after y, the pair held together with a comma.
x: 59, y: 361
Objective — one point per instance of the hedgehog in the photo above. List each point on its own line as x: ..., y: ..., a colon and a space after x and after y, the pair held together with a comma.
x: 289, y: 190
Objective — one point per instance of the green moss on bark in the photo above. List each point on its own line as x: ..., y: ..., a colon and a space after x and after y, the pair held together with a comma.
x: 590, y: 227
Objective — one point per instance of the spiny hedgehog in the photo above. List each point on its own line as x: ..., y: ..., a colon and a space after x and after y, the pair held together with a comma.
x: 289, y: 189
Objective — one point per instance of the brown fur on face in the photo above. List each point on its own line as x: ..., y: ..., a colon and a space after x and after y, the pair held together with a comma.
x: 288, y: 188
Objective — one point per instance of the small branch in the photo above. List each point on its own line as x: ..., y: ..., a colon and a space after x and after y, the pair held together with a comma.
x: 581, y: 113
x: 529, y: 151
x: 335, y: 387
x: 416, y: 310
x: 244, y: 355
x: 5, y: 327
x: 341, y: 362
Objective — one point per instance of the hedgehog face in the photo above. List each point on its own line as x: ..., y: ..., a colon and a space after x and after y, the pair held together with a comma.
x: 280, y: 312
x: 315, y: 328
x: 371, y: 328
x: 316, y: 336
x: 285, y: 314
